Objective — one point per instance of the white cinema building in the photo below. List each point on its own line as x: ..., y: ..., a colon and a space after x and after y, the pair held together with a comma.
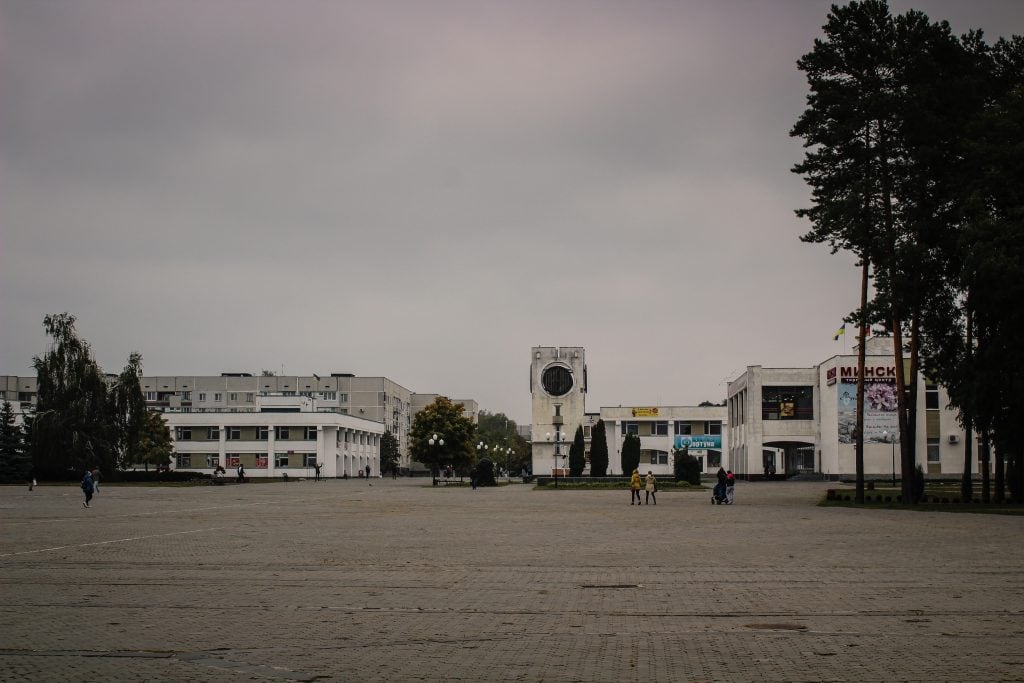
x: 802, y: 420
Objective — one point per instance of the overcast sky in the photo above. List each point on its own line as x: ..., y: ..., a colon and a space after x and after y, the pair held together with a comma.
x: 421, y: 190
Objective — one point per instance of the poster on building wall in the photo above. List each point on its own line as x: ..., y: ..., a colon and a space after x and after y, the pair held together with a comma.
x: 700, y: 441
x: 881, y: 419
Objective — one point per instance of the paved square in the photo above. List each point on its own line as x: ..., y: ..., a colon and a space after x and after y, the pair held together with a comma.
x: 400, y: 581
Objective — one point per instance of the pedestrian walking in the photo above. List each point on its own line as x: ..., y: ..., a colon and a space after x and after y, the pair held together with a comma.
x: 241, y: 473
x: 87, y: 488
x: 634, y: 487
x: 730, y: 486
x: 650, y: 488
x: 32, y: 479
x: 316, y: 468
x: 96, y: 480
x: 473, y: 475
x: 367, y: 471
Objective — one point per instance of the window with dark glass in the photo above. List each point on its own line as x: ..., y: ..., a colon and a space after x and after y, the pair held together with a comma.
x: 659, y: 428
x: 630, y: 428
x: 683, y: 427
x: 714, y: 427
x: 931, y: 397
x: 787, y: 403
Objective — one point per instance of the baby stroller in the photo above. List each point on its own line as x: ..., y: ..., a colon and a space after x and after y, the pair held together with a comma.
x: 718, y: 495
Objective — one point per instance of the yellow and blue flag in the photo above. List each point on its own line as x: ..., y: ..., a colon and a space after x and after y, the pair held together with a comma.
x: 839, y: 332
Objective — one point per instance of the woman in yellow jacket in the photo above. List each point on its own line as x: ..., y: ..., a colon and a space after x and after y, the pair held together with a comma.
x: 634, y: 487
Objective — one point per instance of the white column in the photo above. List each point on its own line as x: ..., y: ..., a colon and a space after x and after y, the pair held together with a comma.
x: 222, y: 443
x: 320, y: 450
x: 271, y: 444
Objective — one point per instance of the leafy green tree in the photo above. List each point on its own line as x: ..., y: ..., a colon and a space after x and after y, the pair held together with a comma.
x: 497, y: 429
x: 448, y: 422
x: 630, y: 458
x: 390, y: 458
x: 598, y: 450
x: 73, y: 428
x: 155, y: 446
x: 15, y: 462
x: 577, y: 454
x: 685, y: 467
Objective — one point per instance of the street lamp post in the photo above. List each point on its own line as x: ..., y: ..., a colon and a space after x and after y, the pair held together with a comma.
x: 558, y: 453
x: 435, y: 440
x: 891, y: 438
x: 481, y: 450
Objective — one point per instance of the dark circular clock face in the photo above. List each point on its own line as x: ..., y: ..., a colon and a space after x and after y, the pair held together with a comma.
x: 556, y: 380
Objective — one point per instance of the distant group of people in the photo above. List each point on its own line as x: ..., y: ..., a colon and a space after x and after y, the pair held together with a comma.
x: 649, y: 485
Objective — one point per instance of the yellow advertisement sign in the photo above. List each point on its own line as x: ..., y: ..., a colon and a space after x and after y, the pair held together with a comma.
x: 645, y: 412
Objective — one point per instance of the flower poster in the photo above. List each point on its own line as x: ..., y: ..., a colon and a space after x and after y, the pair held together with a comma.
x: 881, y: 420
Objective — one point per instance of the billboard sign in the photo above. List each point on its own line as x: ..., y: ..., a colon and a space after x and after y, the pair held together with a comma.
x: 881, y: 419
x: 698, y: 441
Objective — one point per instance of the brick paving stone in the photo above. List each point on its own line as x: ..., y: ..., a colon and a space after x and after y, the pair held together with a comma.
x: 400, y: 581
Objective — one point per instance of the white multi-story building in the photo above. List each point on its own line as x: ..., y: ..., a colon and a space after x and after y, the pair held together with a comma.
x: 371, y: 398
x: 663, y: 430
x: 283, y: 436
x: 802, y: 420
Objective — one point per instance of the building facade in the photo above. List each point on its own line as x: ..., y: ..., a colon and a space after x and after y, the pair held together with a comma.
x: 802, y: 420
x: 378, y: 399
x: 700, y: 430
x: 558, y: 383
x: 283, y: 436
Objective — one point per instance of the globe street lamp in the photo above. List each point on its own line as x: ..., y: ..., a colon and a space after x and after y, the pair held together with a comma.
x: 435, y: 440
x: 481, y: 451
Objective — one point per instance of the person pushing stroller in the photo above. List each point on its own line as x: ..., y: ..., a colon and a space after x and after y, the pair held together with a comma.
x: 718, y: 494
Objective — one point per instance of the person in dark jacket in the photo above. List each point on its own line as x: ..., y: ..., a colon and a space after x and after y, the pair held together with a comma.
x: 87, y: 487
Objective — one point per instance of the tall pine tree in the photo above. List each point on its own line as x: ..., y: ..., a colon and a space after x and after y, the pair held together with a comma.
x: 598, y: 450
x: 577, y: 454
x: 15, y: 462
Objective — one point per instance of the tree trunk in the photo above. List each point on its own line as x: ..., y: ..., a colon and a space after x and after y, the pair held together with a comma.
x: 906, y: 459
x: 966, y: 483
x: 986, y: 476
x: 1000, y: 485
x: 913, y: 390
x: 861, y: 351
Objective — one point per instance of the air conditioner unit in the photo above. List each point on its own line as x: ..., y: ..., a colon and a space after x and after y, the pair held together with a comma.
x: 954, y: 438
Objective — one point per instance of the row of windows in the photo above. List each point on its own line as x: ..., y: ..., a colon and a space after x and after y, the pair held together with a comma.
x: 186, y: 460
x: 661, y: 458
x: 235, y: 433
x: 248, y: 395
x: 680, y: 427
x: 796, y: 403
